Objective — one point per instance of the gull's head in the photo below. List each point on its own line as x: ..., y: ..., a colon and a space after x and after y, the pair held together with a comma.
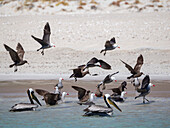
x: 97, y: 64
x: 123, y: 93
x: 150, y: 85
x: 60, y: 79
x: 116, y: 46
x: 65, y: 93
x: 113, y: 78
x: 63, y: 96
x: 52, y: 45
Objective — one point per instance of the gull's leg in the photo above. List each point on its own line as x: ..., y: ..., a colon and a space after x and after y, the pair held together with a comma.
x: 42, y: 52
x: 147, y: 99
x: 105, y: 53
x: 144, y: 99
x: 15, y: 69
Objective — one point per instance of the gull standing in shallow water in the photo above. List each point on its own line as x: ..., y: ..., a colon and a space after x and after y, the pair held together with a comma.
x: 136, y: 70
x: 145, y: 88
x: 110, y: 45
x: 102, y: 110
x: 45, y: 41
x: 26, y: 106
x: 60, y: 84
x: 17, y: 57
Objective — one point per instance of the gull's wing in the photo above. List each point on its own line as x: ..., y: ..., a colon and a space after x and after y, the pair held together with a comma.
x: 46, y: 36
x: 122, y: 86
x: 108, y: 44
x: 39, y: 40
x: 104, y: 65
x: 116, y: 90
x: 13, y: 54
x: 139, y: 64
x: 81, y: 91
x: 114, y: 73
x: 113, y: 41
x: 93, y: 61
x: 129, y: 67
x: 77, y: 71
x: 20, y: 51
x: 145, y: 82
x: 107, y: 78
x: 81, y: 66
x: 41, y: 92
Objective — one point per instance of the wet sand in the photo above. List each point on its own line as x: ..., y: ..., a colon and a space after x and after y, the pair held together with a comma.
x: 17, y: 88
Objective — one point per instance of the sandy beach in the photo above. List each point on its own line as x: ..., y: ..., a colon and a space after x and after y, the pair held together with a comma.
x: 79, y: 36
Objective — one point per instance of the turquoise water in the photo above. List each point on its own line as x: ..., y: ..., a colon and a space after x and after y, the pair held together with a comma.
x: 156, y: 114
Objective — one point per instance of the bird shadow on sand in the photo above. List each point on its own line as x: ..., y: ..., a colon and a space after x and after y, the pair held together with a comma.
x: 150, y: 102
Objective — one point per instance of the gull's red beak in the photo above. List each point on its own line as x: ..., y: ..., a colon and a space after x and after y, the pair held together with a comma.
x: 118, y: 47
x: 154, y: 85
x: 67, y: 94
x: 115, y: 80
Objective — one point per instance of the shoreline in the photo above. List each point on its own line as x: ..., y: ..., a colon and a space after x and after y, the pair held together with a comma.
x: 36, y: 76
x: 17, y: 88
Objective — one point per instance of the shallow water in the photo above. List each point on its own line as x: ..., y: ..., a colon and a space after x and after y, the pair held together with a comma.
x: 155, y: 114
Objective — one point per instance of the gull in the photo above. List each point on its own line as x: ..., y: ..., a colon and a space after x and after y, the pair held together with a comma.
x: 45, y: 41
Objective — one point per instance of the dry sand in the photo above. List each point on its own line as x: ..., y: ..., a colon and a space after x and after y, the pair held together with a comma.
x: 80, y: 37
